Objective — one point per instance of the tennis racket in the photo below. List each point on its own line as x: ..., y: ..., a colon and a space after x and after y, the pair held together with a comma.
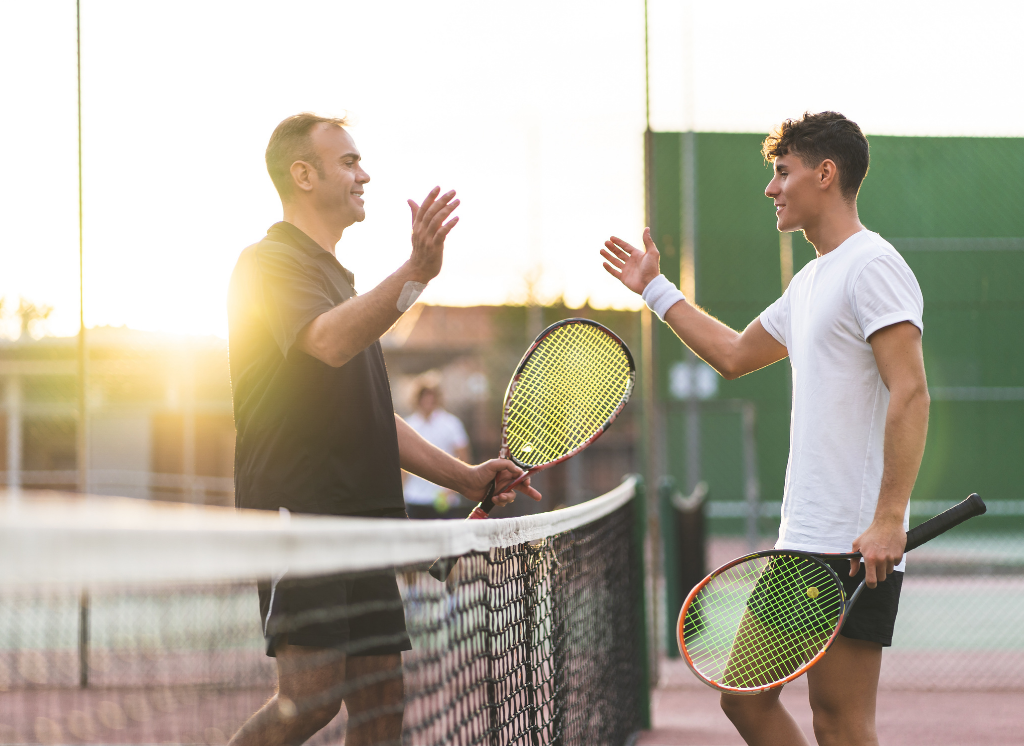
x: 567, y: 390
x: 762, y: 620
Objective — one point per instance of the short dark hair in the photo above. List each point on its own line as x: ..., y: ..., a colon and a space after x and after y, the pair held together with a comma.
x: 291, y: 142
x: 826, y: 135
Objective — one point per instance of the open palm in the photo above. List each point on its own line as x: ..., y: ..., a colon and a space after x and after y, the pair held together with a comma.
x: 633, y: 267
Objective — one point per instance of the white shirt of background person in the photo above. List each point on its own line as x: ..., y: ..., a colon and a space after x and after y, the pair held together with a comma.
x: 444, y: 430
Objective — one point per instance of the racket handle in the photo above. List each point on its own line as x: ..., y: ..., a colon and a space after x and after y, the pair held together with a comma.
x: 443, y: 566
x: 969, y: 508
x: 485, y: 506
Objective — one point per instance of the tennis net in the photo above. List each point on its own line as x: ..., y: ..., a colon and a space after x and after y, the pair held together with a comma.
x: 125, y: 621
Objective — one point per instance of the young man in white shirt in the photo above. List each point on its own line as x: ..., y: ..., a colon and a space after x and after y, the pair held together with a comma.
x: 436, y: 425
x: 850, y: 323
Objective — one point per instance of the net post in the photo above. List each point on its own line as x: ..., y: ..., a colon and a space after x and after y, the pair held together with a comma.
x: 83, y: 640
x: 532, y: 563
x: 670, y: 561
x: 559, y: 642
x: 640, y: 586
x: 492, y: 682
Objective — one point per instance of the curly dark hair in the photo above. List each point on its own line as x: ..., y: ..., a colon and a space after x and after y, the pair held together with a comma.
x: 291, y: 142
x: 817, y: 137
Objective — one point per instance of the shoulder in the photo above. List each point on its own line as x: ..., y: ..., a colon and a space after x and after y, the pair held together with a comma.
x: 273, y: 250
x: 879, y: 259
x: 872, y: 249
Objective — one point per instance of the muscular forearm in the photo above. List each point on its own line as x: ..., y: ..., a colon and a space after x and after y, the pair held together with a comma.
x: 420, y: 457
x: 906, y: 427
x: 731, y: 353
x: 709, y: 338
x: 342, y: 333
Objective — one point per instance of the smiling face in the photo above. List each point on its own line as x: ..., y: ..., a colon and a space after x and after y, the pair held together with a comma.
x: 338, y: 184
x: 796, y: 191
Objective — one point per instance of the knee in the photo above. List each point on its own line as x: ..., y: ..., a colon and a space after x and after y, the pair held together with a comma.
x: 739, y: 708
x: 835, y: 724
x: 306, y: 719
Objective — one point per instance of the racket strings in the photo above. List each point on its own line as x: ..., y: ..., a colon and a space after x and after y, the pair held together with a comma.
x: 760, y: 621
x: 570, y: 387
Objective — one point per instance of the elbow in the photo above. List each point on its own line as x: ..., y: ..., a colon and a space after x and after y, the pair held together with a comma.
x: 913, y: 397
x: 729, y: 368
x: 337, y: 358
x: 329, y: 355
x: 729, y: 373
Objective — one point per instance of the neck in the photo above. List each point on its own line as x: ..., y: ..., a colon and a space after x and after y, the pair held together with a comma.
x: 832, y: 228
x: 314, y: 224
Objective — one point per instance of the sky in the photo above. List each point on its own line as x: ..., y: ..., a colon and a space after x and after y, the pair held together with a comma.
x: 532, y: 111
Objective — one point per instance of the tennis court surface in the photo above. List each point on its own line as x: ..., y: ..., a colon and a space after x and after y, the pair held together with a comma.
x: 953, y: 677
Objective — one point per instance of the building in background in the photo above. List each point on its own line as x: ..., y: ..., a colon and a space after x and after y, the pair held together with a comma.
x: 160, y: 421
x: 159, y: 406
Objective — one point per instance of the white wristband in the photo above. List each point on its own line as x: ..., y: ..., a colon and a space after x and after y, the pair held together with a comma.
x: 660, y: 295
x: 410, y: 292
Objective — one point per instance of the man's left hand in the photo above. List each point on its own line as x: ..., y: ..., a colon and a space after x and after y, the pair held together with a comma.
x: 481, y: 476
x: 881, y: 548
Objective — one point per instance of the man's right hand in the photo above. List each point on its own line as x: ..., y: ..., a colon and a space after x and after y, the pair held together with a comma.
x: 632, y: 267
x: 428, y: 233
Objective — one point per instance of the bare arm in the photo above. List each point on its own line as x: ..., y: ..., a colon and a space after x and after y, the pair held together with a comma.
x: 338, y: 335
x: 422, y: 458
x: 732, y: 354
x: 897, y: 350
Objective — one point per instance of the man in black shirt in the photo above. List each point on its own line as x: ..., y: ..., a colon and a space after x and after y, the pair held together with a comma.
x: 317, y: 432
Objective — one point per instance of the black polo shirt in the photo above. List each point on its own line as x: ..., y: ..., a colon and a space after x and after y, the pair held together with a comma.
x: 309, y: 437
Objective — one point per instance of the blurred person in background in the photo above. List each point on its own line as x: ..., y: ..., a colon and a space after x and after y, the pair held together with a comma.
x: 425, y: 499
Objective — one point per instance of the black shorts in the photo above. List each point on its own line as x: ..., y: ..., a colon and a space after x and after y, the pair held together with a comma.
x: 872, y: 618
x: 359, y: 613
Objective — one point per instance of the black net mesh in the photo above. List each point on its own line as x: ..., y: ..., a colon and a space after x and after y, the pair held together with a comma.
x: 538, y: 643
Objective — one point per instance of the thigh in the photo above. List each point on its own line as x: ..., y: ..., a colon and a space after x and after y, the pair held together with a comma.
x: 370, y: 677
x: 844, y: 684
x: 313, y: 677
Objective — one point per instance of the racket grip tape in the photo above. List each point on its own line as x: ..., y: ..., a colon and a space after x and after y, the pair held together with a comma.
x: 443, y: 566
x: 969, y: 508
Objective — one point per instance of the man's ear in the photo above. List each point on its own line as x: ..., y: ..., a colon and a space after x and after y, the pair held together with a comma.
x: 827, y: 173
x: 302, y: 176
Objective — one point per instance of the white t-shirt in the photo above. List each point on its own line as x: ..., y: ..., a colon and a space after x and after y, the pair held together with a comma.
x: 837, y: 428
x: 445, y: 431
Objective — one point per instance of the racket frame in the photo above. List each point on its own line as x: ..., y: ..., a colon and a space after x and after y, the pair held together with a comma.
x: 818, y: 559
x: 483, y: 509
x: 969, y: 508
x: 442, y: 567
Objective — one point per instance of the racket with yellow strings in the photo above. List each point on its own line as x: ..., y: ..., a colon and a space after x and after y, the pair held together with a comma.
x: 566, y: 391
x: 762, y: 620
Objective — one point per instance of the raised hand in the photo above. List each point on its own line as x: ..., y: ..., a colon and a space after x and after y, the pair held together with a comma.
x: 429, y: 232
x: 631, y: 266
